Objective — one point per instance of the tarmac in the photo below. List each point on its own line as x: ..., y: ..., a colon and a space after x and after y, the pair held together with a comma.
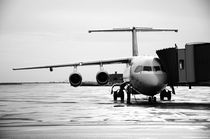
x: 160, y: 131
x: 59, y: 111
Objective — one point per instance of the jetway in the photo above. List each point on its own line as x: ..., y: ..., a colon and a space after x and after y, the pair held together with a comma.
x: 186, y: 66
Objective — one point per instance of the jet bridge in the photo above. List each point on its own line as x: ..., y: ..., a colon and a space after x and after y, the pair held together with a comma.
x: 187, y: 66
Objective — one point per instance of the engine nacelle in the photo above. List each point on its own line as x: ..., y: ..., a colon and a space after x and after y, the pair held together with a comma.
x: 75, y: 79
x: 102, y: 77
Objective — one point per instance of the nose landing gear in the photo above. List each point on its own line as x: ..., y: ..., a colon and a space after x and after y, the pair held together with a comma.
x: 152, y: 99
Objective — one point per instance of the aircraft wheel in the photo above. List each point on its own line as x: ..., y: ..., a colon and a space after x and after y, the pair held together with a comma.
x: 154, y: 99
x: 115, y: 95
x: 150, y: 99
x: 169, y: 95
x: 163, y: 94
x: 129, y: 92
x: 122, y: 97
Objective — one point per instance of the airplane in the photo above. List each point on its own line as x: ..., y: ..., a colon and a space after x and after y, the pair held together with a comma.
x: 143, y: 74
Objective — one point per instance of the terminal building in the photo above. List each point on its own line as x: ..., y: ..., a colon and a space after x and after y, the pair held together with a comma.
x: 190, y: 65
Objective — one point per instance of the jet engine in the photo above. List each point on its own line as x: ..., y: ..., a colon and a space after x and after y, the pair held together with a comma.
x: 75, y: 79
x: 102, y: 77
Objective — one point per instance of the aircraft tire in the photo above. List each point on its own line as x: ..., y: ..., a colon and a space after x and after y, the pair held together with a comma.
x: 150, y: 99
x: 122, y: 97
x: 165, y: 93
x: 129, y: 92
x: 162, y: 96
x: 154, y: 99
x: 169, y: 95
x: 115, y: 95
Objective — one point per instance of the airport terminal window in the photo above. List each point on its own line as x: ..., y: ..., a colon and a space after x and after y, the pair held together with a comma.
x: 156, y: 68
x: 138, y: 69
x: 181, y: 64
x: 147, y: 68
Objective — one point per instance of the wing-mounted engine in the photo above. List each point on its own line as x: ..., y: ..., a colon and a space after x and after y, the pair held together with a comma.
x: 75, y: 79
x: 102, y: 77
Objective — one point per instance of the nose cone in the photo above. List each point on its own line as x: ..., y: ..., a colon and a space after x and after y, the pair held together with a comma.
x: 154, y: 80
x: 151, y: 84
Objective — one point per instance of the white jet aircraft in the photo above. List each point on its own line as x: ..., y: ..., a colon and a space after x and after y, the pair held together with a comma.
x: 143, y: 75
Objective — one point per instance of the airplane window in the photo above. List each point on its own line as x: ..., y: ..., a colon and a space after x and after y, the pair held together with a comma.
x: 138, y: 69
x: 147, y: 68
x: 156, y: 68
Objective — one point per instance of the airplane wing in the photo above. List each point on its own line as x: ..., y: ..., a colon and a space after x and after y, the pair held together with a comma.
x: 100, y: 62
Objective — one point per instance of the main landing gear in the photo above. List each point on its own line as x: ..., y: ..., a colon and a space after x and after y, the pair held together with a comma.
x: 167, y: 93
x: 120, y: 92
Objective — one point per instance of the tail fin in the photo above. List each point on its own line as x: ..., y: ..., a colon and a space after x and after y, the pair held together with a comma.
x: 134, y: 43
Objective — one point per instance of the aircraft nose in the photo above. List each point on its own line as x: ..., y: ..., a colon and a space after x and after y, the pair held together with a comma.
x: 155, y: 80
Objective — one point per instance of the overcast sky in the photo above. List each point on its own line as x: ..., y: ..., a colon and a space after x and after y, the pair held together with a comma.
x: 45, y: 32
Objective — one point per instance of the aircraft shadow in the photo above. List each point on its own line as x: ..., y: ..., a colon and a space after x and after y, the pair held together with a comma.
x: 172, y: 105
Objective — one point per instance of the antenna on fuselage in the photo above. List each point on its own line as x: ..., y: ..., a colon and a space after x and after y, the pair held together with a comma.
x: 134, y: 34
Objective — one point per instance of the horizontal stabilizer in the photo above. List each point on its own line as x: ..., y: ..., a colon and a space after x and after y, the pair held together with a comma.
x: 141, y: 29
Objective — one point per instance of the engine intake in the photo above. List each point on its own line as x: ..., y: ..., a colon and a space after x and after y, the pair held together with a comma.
x: 102, y: 77
x: 75, y: 79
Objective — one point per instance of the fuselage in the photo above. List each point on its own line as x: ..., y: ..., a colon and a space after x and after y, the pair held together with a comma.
x: 146, y: 75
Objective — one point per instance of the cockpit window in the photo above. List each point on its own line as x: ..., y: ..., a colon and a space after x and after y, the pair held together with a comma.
x: 156, y: 68
x: 147, y: 68
x: 138, y: 69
